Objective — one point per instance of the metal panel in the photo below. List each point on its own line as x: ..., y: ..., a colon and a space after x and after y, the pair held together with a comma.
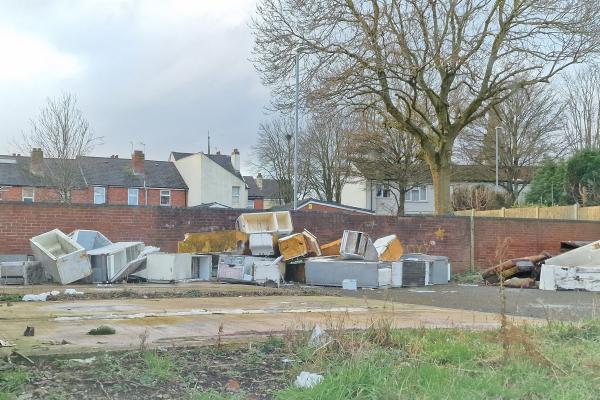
x: 201, y: 266
x: 167, y: 267
x: 325, y: 271
x: 21, y: 272
x: 109, y: 260
x: 89, y: 239
x: 439, y: 268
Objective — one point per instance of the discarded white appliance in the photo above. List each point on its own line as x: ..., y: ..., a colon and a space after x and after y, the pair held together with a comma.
x: 262, y: 244
x: 89, y: 239
x: 62, y: 258
x: 109, y: 261
x: 420, y: 270
x: 331, y: 271
x: 555, y: 277
x: 250, y: 269
x: 357, y: 246
x: 167, y: 267
x: 21, y: 273
x: 278, y: 222
x: 202, y: 267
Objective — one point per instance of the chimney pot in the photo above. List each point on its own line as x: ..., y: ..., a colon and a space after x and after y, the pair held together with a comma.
x: 259, y: 180
x: 37, y: 161
x: 137, y: 161
x: 235, y: 159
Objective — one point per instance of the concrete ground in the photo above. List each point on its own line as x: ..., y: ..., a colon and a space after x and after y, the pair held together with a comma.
x: 555, y: 305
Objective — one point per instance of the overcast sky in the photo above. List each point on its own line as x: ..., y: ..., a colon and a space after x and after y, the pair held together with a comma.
x: 158, y: 72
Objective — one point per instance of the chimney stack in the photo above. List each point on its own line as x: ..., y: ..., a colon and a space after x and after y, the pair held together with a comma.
x: 235, y: 159
x: 259, y: 181
x: 37, y: 161
x: 137, y: 161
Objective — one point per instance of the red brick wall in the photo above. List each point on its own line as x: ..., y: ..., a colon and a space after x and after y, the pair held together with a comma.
x: 164, y: 227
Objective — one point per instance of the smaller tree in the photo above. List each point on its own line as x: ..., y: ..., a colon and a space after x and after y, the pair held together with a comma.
x: 63, y: 134
x: 386, y: 155
x: 477, y: 197
x: 582, y: 177
x: 548, y: 184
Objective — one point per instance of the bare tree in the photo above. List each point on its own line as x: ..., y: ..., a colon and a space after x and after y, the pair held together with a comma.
x: 63, y: 134
x: 326, y: 145
x: 273, y: 153
x: 532, y: 130
x: 582, y: 108
x: 430, y: 67
x: 388, y: 156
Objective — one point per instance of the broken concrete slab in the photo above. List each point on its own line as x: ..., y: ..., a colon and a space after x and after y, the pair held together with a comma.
x: 278, y: 222
x: 331, y: 271
x: 62, y: 258
x: 213, y: 242
x: 21, y: 273
x: 389, y: 248
x: 357, y: 246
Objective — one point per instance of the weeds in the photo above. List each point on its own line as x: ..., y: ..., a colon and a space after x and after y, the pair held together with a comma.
x: 158, y: 367
x: 12, y: 381
x: 467, y: 277
x: 102, y: 330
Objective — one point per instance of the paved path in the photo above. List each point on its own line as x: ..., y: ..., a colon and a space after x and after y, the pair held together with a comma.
x: 178, y: 321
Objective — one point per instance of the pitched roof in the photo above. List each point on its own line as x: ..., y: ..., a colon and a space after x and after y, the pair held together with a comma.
x: 221, y: 159
x: 333, y: 204
x: 269, y: 190
x: 118, y: 172
x: 16, y: 171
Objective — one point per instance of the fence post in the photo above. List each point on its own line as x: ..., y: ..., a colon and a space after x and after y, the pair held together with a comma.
x: 503, y: 212
x: 537, y: 212
x: 576, y: 211
x: 472, y: 237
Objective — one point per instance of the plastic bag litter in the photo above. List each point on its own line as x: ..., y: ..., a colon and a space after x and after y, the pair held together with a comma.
x: 41, y: 296
x: 318, y: 337
x: 308, y: 379
x: 72, y: 292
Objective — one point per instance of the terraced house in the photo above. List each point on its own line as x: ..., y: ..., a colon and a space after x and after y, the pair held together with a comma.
x: 95, y: 180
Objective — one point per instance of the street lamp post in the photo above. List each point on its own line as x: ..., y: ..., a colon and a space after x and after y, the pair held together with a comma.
x: 498, y: 128
x: 296, y: 132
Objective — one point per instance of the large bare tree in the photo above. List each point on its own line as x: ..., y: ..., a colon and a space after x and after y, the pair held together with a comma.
x: 389, y: 157
x: 63, y: 133
x: 582, y: 108
x: 327, y: 145
x: 531, y: 130
x: 432, y: 67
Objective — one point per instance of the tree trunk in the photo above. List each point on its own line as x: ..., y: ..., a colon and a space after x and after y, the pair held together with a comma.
x: 440, y: 173
x: 401, y: 208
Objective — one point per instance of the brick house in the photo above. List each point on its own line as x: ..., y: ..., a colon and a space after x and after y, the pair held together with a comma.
x: 99, y: 180
x: 262, y: 193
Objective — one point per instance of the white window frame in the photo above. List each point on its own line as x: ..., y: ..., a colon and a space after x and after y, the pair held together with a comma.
x: 103, y: 194
x: 250, y: 204
x: 32, y: 197
x: 130, y: 195
x: 382, y: 191
x: 235, y: 199
x: 165, y: 193
x: 419, y: 191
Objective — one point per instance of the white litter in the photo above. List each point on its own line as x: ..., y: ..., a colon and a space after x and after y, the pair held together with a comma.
x: 318, y: 337
x: 73, y: 292
x: 41, y: 296
x: 307, y: 380
x: 83, y: 360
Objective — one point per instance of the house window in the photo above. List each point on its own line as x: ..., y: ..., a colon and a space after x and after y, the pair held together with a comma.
x: 416, y: 194
x: 99, y: 195
x: 165, y: 197
x: 132, y: 196
x: 28, y: 195
x: 235, y: 196
x: 383, y: 191
x: 250, y: 204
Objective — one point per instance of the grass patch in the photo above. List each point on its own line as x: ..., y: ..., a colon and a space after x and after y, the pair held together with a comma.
x: 11, y: 297
x: 158, y: 367
x: 102, y: 330
x: 214, y: 395
x: 12, y: 382
x: 467, y: 277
